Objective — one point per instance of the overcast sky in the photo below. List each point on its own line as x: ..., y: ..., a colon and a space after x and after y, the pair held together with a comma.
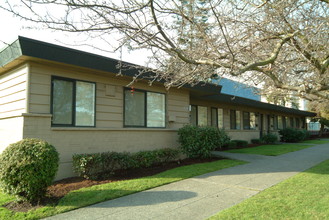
x: 12, y: 27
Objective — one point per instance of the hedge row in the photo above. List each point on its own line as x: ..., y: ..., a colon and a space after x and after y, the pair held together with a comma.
x: 100, y: 165
x: 293, y: 135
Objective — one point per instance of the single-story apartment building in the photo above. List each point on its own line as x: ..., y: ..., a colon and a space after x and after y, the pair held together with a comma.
x: 79, y: 103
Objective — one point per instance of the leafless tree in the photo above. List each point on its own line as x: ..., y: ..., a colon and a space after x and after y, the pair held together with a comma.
x: 281, y: 45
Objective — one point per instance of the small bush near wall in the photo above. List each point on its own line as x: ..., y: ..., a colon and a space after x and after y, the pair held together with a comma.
x: 27, y: 168
x: 101, y: 165
x: 232, y: 144
x: 198, y: 142
x: 255, y: 141
x: 293, y: 135
x: 240, y: 143
x: 269, y: 138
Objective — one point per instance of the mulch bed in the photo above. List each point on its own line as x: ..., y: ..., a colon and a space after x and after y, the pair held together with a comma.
x: 60, y: 188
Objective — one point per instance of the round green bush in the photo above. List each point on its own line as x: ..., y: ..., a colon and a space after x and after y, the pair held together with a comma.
x: 293, y: 135
x: 269, y: 138
x: 198, y: 142
x: 27, y: 168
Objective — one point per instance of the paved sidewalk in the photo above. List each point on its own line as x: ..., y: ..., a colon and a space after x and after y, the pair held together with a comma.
x: 203, y: 196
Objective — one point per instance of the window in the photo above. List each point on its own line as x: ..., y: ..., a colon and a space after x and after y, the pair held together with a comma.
x: 217, y: 117
x: 235, y: 119
x: 246, y: 120
x: 193, y: 115
x: 199, y: 115
x: 280, y: 122
x: 297, y: 123
x: 202, y: 116
x: 144, y: 109
x: 291, y: 122
x: 275, y: 122
x: 220, y: 117
x: 73, y: 102
x: 250, y: 120
x: 253, y: 120
x: 285, y: 122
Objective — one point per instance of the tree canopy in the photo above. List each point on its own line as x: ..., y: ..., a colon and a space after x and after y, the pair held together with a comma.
x: 280, y: 45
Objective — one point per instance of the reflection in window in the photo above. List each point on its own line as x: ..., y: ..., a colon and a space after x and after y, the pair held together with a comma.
x: 193, y: 115
x: 62, y: 105
x: 253, y: 120
x: 214, y: 121
x: 73, y: 98
x: 202, y: 116
x: 235, y: 119
x: 134, y: 108
x: 220, y: 118
x: 297, y: 123
x: 291, y: 122
x: 155, y: 110
x: 280, y: 122
x: 144, y: 109
x: 246, y: 120
x: 85, y: 104
x: 217, y: 117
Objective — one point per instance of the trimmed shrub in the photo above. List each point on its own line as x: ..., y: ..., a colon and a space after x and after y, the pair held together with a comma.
x: 269, y: 138
x: 255, y: 141
x: 232, y: 144
x: 27, y: 168
x: 293, y: 135
x: 241, y: 143
x: 198, y: 142
x: 102, y: 165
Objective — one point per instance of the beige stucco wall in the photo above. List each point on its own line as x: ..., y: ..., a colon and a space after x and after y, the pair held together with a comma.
x: 11, y: 131
x: 69, y: 141
x: 13, y: 100
x: 13, y: 92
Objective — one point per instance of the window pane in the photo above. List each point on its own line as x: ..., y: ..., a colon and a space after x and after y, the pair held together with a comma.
x: 246, y: 120
x: 156, y: 110
x: 62, y: 102
x: 297, y: 123
x: 232, y: 119
x: 134, y: 108
x: 193, y: 115
x: 291, y: 122
x: 202, y: 116
x: 85, y: 104
x: 253, y: 120
x: 238, y: 120
x: 214, y: 121
x: 280, y: 122
x: 285, y: 122
x: 220, y: 117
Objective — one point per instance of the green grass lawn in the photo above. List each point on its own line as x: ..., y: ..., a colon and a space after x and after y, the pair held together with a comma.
x: 271, y: 150
x: 304, y: 196
x: 316, y: 141
x: 99, y: 193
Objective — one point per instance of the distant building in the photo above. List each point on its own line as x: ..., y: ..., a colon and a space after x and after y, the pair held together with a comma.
x: 235, y: 88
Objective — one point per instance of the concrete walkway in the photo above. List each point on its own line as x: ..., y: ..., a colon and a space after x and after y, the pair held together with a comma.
x: 203, y: 196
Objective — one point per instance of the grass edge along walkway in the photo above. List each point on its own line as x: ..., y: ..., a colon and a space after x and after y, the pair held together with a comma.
x: 99, y: 193
x: 304, y: 196
x: 317, y: 141
x: 271, y: 150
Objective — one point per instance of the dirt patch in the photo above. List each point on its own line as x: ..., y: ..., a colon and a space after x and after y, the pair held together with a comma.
x: 60, y: 188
